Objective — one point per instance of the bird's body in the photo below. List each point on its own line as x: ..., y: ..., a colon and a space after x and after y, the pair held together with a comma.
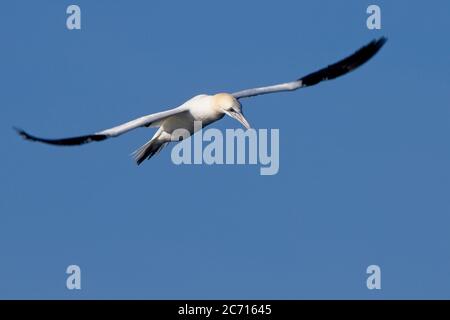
x: 200, y: 108
x: 200, y: 111
x: 203, y: 110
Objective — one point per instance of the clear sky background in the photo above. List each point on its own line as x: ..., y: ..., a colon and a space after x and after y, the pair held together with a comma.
x: 364, y: 160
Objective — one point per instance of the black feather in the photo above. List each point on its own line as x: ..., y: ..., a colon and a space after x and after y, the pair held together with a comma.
x: 344, y: 66
x: 74, y: 141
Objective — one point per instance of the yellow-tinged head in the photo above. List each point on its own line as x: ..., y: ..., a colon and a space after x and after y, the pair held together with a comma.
x: 230, y: 106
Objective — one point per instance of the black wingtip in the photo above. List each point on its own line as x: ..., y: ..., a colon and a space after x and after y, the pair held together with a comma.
x: 74, y: 141
x: 382, y: 40
x: 378, y: 44
x: 346, y: 65
x: 23, y: 134
x: 368, y: 51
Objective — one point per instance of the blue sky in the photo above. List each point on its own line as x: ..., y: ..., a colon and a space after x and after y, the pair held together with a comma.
x: 364, y: 176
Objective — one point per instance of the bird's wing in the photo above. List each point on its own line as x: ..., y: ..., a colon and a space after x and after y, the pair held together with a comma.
x: 332, y: 71
x: 144, y: 121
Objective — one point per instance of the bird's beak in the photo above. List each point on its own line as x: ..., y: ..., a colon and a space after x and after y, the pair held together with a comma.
x: 239, y: 117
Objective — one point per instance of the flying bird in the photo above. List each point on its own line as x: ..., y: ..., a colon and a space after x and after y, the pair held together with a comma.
x: 210, y: 108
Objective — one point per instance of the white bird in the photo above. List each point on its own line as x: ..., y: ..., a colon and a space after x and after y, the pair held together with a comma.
x: 210, y: 108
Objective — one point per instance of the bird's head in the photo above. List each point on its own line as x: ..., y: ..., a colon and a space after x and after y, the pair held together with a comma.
x: 229, y: 105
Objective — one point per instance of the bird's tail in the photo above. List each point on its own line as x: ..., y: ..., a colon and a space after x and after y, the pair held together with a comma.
x: 148, y: 150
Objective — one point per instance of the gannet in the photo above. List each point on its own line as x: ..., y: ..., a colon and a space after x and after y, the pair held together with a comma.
x: 210, y: 108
